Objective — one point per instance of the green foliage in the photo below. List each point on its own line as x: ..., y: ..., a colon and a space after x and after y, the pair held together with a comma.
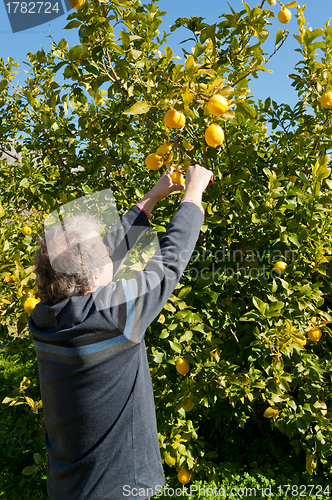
x: 242, y: 326
x: 21, y: 429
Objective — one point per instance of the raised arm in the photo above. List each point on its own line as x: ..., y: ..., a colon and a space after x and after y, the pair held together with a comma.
x: 146, y: 294
x: 133, y: 225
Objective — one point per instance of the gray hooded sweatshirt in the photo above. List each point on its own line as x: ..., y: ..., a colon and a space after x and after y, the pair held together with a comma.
x: 101, y: 433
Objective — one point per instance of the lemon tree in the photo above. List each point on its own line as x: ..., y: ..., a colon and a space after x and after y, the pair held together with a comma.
x: 246, y: 334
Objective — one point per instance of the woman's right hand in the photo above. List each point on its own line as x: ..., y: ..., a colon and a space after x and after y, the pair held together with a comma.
x: 197, y: 179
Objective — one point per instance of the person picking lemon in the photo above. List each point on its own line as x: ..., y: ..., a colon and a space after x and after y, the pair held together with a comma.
x: 88, y: 332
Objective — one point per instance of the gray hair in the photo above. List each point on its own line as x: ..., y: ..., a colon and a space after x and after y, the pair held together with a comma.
x: 67, y: 258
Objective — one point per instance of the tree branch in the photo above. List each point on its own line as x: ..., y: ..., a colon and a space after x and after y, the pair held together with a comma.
x: 228, y: 151
x: 205, y: 156
x: 8, y: 154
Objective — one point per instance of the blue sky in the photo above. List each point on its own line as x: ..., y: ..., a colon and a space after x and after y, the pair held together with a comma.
x: 276, y: 85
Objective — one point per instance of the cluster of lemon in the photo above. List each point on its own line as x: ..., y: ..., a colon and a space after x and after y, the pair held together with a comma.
x: 314, y: 334
x: 164, y: 155
x: 214, y: 135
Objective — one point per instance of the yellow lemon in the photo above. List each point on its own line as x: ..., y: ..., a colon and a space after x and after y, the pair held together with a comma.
x: 279, y: 267
x: 153, y: 161
x: 315, y: 334
x: 326, y: 99
x: 77, y: 4
x: 30, y: 304
x: 284, y: 15
x: 272, y: 2
x: 182, y: 366
x: 292, y: 178
x: 184, y: 476
x: 214, y: 135
x: 217, y: 105
x: 26, y: 230
x: 163, y: 150
x: 174, y: 119
x: 177, y: 178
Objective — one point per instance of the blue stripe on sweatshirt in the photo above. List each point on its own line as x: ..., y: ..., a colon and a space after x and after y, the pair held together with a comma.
x: 80, y: 350
x: 99, y: 346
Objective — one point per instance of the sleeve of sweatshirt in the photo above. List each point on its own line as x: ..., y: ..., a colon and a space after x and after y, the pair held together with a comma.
x: 125, y: 234
x: 144, y: 296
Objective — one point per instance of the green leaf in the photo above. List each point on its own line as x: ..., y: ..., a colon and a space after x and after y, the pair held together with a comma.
x: 72, y: 24
x: 263, y: 34
x: 3, y: 85
x: 75, y: 52
x: 164, y: 334
x: 186, y: 336
x: 260, y: 305
x: 38, y: 458
x: 7, y: 400
x: 27, y: 471
x: 274, y: 286
x: 175, y: 346
x: 294, y: 239
x: 317, y: 45
x: 168, y: 52
x: 279, y: 36
x: 158, y: 357
x: 323, y: 172
x: 117, y: 48
x: 184, y: 291
x: 276, y: 306
x: 125, y: 38
x: 245, y: 108
x: 138, y: 108
x: 63, y: 44
x: 169, y: 307
x: 24, y: 182
x: 159, y: 229
x: 247, y: 8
